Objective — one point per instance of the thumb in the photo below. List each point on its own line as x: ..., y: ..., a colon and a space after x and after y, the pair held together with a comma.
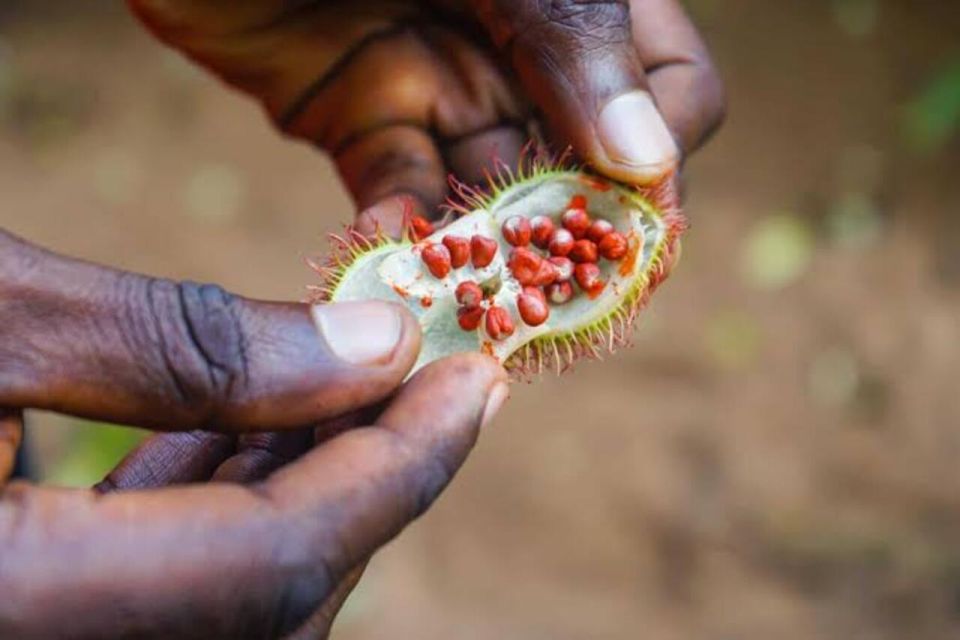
x: 577, y: 61
x: 86, y: 340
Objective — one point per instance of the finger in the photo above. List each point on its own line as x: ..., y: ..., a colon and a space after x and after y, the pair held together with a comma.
x: 392, y: 160
x: 11, y: 435
x: 318, y: 626
x: 578, y: 62
x: 260, y: 454
x: 473, y: 157
x: 225, y: 560
x: 389, y: 216
x: 382, y: 477
x: 86, y: 340
x: 167, y: 459
x: 682, y: 75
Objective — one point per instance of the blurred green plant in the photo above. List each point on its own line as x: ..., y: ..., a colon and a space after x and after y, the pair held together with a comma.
x: 778, y: 251
x: 732, y: 338
x: 854, y: 221
x: 932, y: 118
x: 93, y: 449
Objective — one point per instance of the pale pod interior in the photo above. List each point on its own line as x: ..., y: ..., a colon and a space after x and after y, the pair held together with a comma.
x: 398, y: 272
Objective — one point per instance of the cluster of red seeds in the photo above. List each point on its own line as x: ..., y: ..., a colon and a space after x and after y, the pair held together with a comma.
x: 455, y: 251
x: 470, y: 297
x: 572, y: 252
x: 567, y: 254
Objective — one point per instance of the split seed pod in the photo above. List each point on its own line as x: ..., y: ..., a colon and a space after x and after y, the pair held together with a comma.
x: 585, y: 315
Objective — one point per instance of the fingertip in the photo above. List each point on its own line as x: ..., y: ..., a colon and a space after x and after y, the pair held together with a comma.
x: 387, y: 216
x: 451, y: 397
x: 635, y: 143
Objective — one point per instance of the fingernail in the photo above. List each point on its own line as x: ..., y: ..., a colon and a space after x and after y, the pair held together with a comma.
x: 633, y: 133
x: 498, y: 395
x: 361, y: 333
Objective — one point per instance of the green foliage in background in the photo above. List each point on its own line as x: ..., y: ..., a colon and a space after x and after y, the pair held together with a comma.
x: 932, y: 118
x: 92, y: 450
x: 777, y: 251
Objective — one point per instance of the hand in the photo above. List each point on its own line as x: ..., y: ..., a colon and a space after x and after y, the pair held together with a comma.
x: 401, y: 93
x: 219, y: 560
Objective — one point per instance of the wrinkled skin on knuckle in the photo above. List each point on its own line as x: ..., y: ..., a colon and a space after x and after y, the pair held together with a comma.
x: 582, y: 21
x: 200, y: 344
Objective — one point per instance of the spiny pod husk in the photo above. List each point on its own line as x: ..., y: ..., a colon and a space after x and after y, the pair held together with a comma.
x: 529, y: 301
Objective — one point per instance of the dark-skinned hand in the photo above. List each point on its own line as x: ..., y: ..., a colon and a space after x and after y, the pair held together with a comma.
x: 245, y: 556
x: 400, y: 93
x: 403, y: 92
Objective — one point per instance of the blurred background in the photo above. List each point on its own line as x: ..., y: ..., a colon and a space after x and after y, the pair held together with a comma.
x: 778, y: 454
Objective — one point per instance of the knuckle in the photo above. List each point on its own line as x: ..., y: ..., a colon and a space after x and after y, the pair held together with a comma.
x: 201, y: 341
x: 585, y: 18
x: 587, y: 15
x: 572, y: 27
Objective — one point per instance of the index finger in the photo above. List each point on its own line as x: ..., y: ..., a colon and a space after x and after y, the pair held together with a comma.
x: 680, y: 71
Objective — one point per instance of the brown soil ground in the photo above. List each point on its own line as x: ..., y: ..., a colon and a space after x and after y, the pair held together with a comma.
x: 766, y: 462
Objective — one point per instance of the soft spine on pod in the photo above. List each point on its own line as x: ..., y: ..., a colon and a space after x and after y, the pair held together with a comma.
x: 574, y: 247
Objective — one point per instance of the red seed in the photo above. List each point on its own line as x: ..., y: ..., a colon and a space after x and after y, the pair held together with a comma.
x: 541, y: 228
x: 459, y: 248
x: 560, y: 293
x: 437, y: 259
x: 499, y: 323
x: 561, y: 242
x: 517, y: 231
x: 614, y: 246
x: 583, y: 251
x: 576, y: 221
x: 546, y: 274
x: 420, y: 227
x: 535, y: 291
x: 482, y: 250
x: 524, y: 264
x: 598, y: 230
x: 469, y: 294
x: 578, y: 201
x: 564, y: 267
x: 587, y: 276
x: 469, y: 318
x: 533, y: 307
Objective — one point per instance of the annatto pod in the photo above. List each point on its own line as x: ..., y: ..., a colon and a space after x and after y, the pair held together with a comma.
x: 593, y: 320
